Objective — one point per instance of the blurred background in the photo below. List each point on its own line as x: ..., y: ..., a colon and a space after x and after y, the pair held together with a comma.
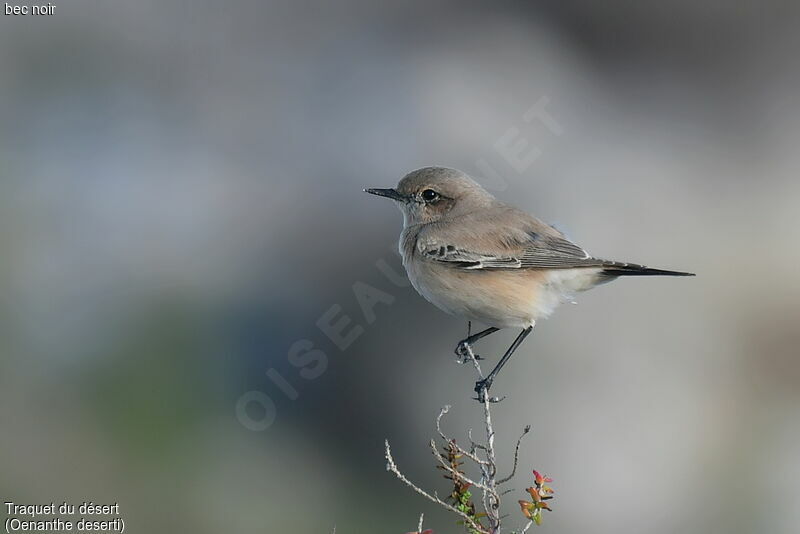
x: 181, y: 208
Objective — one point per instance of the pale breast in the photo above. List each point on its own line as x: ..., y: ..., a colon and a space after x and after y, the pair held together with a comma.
x: 495, y: 297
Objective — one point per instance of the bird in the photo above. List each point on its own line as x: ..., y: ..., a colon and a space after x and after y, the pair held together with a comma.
x: 478, y: 258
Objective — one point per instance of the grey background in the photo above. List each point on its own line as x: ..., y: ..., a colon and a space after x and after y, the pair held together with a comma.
x: 180, y: 203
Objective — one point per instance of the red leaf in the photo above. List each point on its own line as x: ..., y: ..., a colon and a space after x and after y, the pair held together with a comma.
x: 526, y: 508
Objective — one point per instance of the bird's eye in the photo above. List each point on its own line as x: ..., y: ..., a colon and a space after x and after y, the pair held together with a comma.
x: 429, y: 195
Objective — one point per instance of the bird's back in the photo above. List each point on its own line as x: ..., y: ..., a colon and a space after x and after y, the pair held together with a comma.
x: 444, y: 262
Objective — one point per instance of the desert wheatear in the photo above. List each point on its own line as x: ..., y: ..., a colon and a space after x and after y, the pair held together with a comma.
x: 476, y: 257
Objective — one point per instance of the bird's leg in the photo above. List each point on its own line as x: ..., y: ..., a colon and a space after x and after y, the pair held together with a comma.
x: 482, y: 386
x: 466, y: 343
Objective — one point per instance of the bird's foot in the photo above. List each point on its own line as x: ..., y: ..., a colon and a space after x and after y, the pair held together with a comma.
x: 482, y: 389
x: 464, y: 352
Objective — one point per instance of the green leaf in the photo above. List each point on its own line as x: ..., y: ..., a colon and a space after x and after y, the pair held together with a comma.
x: 537, y: 517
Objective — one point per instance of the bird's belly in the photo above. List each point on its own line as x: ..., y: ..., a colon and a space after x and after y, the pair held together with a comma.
x: 570, y: 281
x: 495, y: 298
x: 501, y: 298
x: 560, y: 285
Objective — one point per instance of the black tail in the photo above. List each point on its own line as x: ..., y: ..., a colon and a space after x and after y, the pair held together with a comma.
x: 614, y: 269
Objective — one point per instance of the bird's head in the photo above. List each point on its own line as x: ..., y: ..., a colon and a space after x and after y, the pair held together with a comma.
x: 431, y: 193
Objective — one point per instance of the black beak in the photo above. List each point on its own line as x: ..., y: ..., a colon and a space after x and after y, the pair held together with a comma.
x: 388, y: 193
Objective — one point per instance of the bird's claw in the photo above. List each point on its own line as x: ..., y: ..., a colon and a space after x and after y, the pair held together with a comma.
x: 491, y: 400
x: 482, y: 389
x: 464, y: 352
x: 482, y: 386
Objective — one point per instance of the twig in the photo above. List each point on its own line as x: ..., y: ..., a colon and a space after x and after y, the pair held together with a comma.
x: 484, y: 456
x: 516, y: 457
x: 419, y: 525
x: 474, y: 361
x: 493, y: 504
x: 392, y: 467
x: 469, y: 454
x: 444, y: 410
x: 491, y: 500
x: 456, y: 474
x: 473, y: 445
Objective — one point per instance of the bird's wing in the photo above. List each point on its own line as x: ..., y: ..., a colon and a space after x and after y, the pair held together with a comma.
x: 505, y: 239
x: 468, y: 259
